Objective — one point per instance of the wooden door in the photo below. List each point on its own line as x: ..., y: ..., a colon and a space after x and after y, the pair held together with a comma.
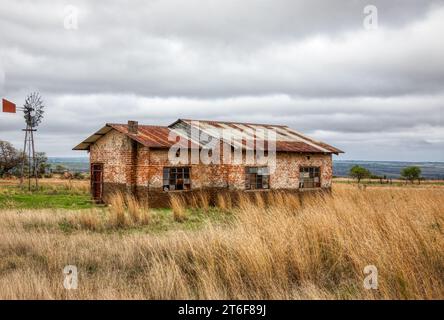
x: 97, y: 181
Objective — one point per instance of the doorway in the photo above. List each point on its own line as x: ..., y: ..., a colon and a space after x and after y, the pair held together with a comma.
x: 97, y: 181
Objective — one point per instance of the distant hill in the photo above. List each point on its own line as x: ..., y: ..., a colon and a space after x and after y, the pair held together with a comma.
x: 77, y: 164
x: 391, y: 169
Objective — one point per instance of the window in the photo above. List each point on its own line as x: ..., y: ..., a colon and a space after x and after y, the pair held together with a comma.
x: 257, y: 178
x: 309, y: 177
x: 177, y: 178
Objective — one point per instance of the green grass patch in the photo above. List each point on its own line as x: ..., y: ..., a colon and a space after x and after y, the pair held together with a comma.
x: 163, y: 220
x: 15, y: 197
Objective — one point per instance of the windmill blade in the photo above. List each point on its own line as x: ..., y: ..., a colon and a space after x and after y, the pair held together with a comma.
x: 33, y: 109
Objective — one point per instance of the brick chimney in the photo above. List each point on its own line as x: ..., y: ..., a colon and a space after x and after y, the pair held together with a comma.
x: 133, y: 127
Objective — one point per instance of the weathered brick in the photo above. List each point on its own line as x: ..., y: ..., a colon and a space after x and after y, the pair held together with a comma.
x: 130, y: 165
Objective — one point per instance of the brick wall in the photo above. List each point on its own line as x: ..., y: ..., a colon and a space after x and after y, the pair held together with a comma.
x: 112, y: 150
x: 128, y: 164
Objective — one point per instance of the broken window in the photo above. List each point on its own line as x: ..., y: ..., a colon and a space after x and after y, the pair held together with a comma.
x: 257, y: 178
x: 309, y: 177
x: 176, y: 178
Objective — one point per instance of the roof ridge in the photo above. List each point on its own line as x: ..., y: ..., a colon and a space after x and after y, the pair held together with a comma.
x: 235, y: 122
x: 140, y: 125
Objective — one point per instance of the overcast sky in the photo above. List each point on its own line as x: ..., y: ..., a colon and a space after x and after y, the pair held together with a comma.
x: 376, y: 93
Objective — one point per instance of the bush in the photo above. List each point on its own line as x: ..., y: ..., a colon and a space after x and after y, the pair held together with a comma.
x: 359, y: 173
x: 411, y: 173
x: 78, y: 176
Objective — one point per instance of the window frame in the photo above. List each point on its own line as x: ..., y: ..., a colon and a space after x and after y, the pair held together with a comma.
x: 252, y: 178
x: 172, y: 175
x: 313, y: 173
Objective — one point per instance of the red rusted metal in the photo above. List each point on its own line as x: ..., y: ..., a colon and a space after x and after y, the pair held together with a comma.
x: 287, y: 140
x: 153, y: 136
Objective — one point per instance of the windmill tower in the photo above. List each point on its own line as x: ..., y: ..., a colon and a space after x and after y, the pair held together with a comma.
x: 33, y: 114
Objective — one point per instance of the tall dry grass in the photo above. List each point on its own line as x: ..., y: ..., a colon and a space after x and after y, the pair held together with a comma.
x: 127, y: 211
x: 124, y: 211
x: 179, y: 207
x: 224, y: 202
x: 200, y: 200
x: 315, y: 247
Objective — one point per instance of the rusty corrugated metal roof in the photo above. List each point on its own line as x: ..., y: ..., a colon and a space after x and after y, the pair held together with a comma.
x: 245, y: 136
x: 153, y: 136
x: 287, y: 139
x: 148, y: 136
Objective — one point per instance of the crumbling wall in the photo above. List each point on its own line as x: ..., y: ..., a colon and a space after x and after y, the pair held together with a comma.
x: 129, y: 166
x: 112, y: 151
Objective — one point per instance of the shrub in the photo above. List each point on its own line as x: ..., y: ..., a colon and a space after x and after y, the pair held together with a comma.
x: 78, y: 176
x: 359, y: 173
x: 411, y: 173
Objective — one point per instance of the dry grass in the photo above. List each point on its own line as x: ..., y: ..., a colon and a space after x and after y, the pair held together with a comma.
x: 316, y: 248
x: 89, y: 220
x: 224, y: 202
x: 139, y: 212
x: 118, y: 216
x: 178, y: 205
x: 204, y: 201
x: 80, y: 186
x: 200, y: 200
x: 54, y: 183
x: 124, y: 211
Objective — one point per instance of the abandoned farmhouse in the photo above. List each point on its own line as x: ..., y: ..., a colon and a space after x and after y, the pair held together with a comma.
x: 137, y: 158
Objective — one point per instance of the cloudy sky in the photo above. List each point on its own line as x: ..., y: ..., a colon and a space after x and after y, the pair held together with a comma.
x: 375, y: 91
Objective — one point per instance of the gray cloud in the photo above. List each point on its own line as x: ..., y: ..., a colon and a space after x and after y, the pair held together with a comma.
x: 304, y: 64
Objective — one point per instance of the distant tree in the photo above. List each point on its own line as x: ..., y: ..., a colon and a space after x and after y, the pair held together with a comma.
x: 78, y: 176
x: 10, y: 158
x: 359, y: 173
x: 411, y: 173
x: 42, y: 164
x: 60, y: 169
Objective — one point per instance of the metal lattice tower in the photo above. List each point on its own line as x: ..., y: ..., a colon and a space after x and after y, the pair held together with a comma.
x: 33, y: 114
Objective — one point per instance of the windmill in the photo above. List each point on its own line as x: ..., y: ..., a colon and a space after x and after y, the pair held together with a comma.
x: 33, y: 114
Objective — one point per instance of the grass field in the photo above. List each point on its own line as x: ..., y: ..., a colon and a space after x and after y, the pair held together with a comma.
x: 52, y: 193
x: 394, y: 182
x: 12, y: 197
x: 316, y: 248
